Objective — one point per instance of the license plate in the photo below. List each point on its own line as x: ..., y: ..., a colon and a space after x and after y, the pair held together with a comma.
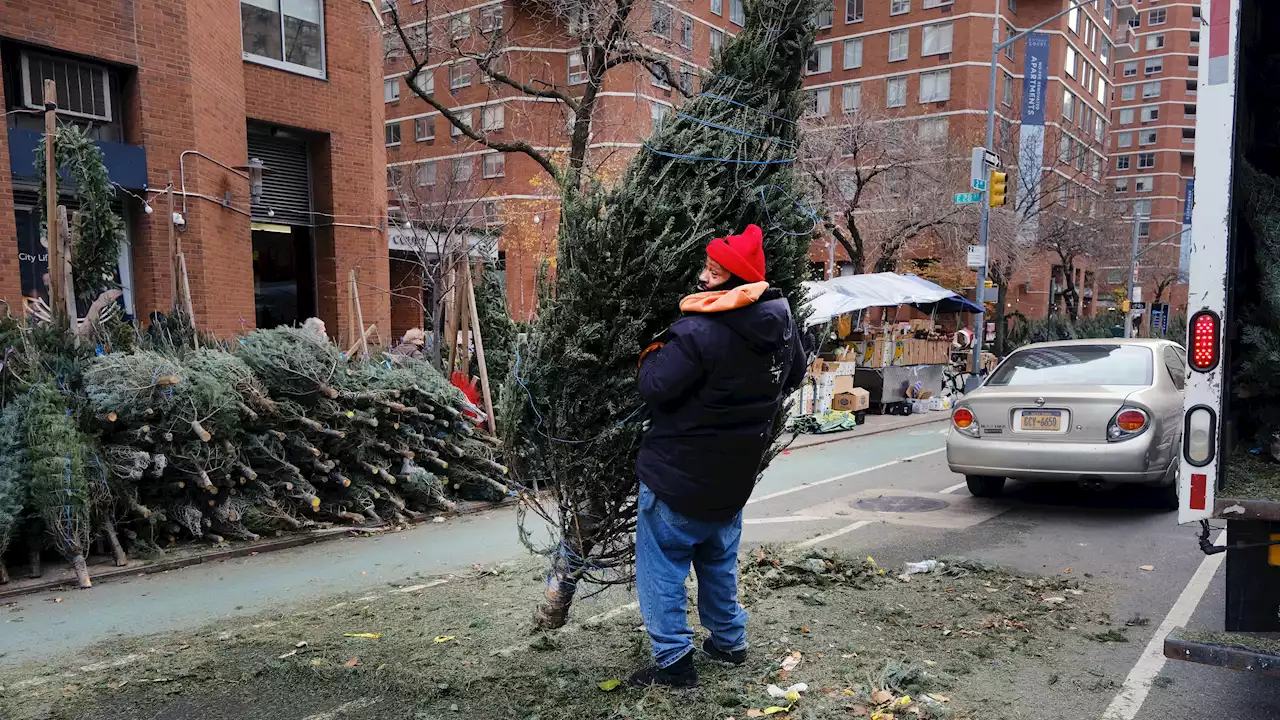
x: 1042, y: 420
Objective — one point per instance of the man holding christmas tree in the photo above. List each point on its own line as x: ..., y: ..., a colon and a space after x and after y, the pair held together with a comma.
x: 713, y: 386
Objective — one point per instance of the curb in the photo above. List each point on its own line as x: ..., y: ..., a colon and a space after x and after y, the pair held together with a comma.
x: 263, y: 546
x: 869, y: 433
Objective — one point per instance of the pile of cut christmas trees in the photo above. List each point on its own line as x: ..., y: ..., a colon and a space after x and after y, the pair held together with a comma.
x: 138, y: 440
x: 150, y: 442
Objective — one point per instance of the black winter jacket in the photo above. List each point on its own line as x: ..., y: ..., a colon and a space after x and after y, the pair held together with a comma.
x: 713, y: 391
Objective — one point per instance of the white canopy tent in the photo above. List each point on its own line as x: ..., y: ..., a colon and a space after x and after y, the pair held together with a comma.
x: 837, y: 296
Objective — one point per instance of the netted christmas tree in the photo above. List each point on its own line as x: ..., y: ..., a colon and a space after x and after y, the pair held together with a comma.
x: 1256, y: 389
x: 725, y: 159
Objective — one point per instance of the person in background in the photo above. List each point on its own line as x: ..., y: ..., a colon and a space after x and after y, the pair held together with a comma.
x: 410, y: 346
x: 713, y: 388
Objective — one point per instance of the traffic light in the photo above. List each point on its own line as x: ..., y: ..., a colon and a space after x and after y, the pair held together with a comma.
x: 997, y: 185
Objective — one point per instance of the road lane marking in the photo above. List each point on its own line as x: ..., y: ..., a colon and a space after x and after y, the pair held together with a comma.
x: 953, y: 488
x: 1133, y: 693
x: 830, y: 536
x: 783, y: 519
x: 863, y: 471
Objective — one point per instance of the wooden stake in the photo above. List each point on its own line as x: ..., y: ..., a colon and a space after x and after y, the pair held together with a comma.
x: 464, y: 316
x: 173, y: 246
x: 357, y: 315
x: 363, y: 338
x: 484, y: 371
x: 65, y: 246
x: 57, y: 300
x: 452, y: 310
x: 185, y: 290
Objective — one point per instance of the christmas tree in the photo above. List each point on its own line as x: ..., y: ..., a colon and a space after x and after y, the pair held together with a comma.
x: 625, y: 257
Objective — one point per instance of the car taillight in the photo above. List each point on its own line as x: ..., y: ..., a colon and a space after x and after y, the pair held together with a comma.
x: 1131, y: 420
x: 1204, y: 331
x: 1126, y: 424
x: 962, y: 418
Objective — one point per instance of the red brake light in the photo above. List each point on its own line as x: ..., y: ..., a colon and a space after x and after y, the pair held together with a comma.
x: 1131, y: 421
x: 962, y: 418
x: 1204, y: 341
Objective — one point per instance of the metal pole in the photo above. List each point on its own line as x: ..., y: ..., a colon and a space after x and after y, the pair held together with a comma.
x: 1133, y: 266
x: 57, y: 289
x: 831, y: 259
x: 984, y: 223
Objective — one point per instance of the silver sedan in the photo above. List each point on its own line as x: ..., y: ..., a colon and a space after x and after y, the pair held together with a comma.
x: 1096, y: 412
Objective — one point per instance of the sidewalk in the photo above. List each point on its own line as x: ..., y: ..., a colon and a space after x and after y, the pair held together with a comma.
x: 875, y: 425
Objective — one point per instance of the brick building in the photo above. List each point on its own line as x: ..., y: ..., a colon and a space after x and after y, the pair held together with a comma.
x: 185, y: 94
x: 923, y: 64
x: 1153, y: 138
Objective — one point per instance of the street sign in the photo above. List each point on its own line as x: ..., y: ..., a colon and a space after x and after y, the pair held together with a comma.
x: 981, y: 161
x: 977, y: 257
x: 968, y: 198
x: 978, y: 185
x: 1137, y: 306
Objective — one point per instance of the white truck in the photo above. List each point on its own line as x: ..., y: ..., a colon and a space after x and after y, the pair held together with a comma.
x: 1226, y: 472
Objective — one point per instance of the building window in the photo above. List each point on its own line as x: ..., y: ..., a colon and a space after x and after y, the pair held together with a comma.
x: 1122, y: 184
x: 1129, y: 69
x: 1073, y: 20
x: 1157, y: 17
x: 464, y: 117
x: 1126, y: 116
x: 577, y: 71
x: 1153, y: 66
x: 1151, y: 89
x: 1105, y: 55
x: 1066, y: 149
x: 717, y: 40
x: 936, y: 39
x: 426, y: 82
x: 1124, y: 139
x: 427, y: 174
x: 1189, y: 111
x: 824, y: 18
x: 1192, y: 87
x: 939, y: 3
x: 1147, y: 137
x: 1098, y: 128
x: 1142, y: 208
x: 460, y: 25
x: 850, y: 98
x: 1108, y: 11
x: 1129, y: 92
x: 494, y: 118
x: 820, y: 59
x: 1097, y: 167
x: 935, y: 86
x: 289, y: 37
x: 657, y: 113
x: 461, y: 169
x: 853, y: 53
x: 686, y: 31
x: 819, y: 102
x: 1135, y: 21
x: 391, y: 47
x: 1146, y: 160
x: 898, y: 7
x: 896, y: 92
x: 460, y: 75
x: 933, y: 131
x: 1143, y: 184
x: 493, y: 165
x: 686, y: 79
x: 490, y: 19
x: 899, y: 45
x: 1150, y: 113
x: 424, y: 128
x: 1068, y: 105
x: 393, y: 177
x: 1006, y: 94
x: 1193, y: 63
x: 1102, y: 92
x: 1122, y: 162
x: 852, y: 11
x: 658, y: 77
x: 1188, y: 134
x: 1195, y: 38
x: 737, y: 15
x: 1009, y: 32
x: 1070, y: 65
x: 660, y: 21
x: 392, y: 132
x: 717, y: 7
x: 391, y: 90
x: 1155, y: 42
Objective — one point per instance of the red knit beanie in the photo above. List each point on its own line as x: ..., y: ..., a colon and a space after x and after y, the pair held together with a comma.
x: 742, y: 255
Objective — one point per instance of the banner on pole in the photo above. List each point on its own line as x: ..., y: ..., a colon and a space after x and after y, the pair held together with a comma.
x: 1035, y: 87
x: 1184, y: 250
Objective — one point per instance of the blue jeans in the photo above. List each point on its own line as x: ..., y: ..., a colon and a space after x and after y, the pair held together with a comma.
x: 666, y: 544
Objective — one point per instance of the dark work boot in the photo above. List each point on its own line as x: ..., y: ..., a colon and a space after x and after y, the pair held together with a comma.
x: 680, y: 674
x: 737, y: 657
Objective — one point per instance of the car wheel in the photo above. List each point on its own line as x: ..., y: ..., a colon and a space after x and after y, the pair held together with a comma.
x: 984, y: 486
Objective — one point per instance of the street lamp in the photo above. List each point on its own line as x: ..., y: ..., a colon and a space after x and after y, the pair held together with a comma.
x: 979, y: 322
x: 1134, y: 254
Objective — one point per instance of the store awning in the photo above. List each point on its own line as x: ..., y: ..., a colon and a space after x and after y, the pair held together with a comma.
x: 837, y: 296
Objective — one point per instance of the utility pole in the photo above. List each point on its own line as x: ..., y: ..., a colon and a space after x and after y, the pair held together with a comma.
x: 984, y: 227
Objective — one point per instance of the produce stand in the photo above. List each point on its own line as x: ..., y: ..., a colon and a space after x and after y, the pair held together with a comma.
x: 894, y: 366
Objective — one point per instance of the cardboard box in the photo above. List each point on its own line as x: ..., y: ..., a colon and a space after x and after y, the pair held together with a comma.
x: 843, y: 384
x: 840, y: 368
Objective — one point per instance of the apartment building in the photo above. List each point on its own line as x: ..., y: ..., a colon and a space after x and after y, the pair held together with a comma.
x: 923, y: 64
x: 183, y: 96
x: 1152, y: 143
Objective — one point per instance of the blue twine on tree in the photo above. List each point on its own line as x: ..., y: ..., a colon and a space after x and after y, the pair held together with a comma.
x: 735, y: 131
x: 807, y: 211
x: 534, y: 406
x: 678, y: 156
x: 731, y: 101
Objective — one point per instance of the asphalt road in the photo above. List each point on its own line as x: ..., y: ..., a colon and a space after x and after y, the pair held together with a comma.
x: 890, y: 496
